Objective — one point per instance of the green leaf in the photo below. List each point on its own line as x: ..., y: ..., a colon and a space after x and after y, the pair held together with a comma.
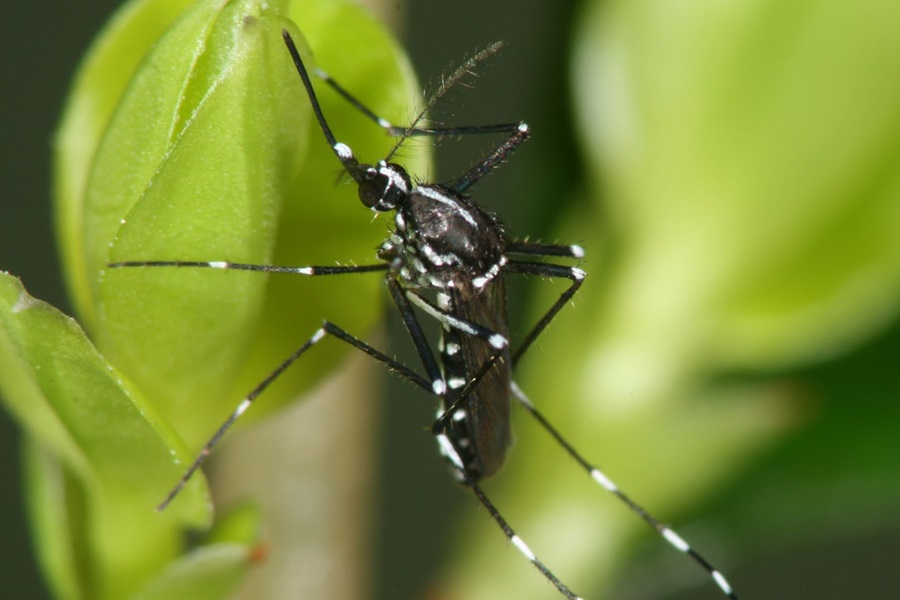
x: 219, y: 148
x: 187, y: 136
x: 751, y: 154
x: 207, y: 573
x: 99, y: 457
x: 204, y: 159
x: 98, y: 86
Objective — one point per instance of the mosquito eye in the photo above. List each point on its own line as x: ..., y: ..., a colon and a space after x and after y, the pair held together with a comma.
x: 376, y: 193
x: 369, y: 193
x: 384, y: 188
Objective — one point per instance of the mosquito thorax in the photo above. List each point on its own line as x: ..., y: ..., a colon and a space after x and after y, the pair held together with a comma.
x: 444, y: 240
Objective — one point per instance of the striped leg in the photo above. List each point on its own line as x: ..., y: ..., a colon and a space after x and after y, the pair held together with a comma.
x: 574, y: 274
x: 326, y: 329
x: 449, y: 451
x: 345, y: 155
x: 533, y: 268
x: 540, y: 249
x: 453, y: 322
x: 309, y: 271
x: 447, y: 83
x: 398, y: 131
x: 668, y: 534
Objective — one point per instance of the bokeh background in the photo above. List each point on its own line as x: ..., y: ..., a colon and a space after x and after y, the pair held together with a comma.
x: 809, y: 511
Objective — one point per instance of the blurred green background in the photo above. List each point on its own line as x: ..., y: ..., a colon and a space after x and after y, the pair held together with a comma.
x: 809, y: 512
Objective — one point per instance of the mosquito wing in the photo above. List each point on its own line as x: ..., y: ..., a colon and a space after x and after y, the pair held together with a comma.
x: 487, y: 407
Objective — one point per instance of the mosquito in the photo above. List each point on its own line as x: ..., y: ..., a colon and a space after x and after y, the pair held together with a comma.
x: 448, y: 259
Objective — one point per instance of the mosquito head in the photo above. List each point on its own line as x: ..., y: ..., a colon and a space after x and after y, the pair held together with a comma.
x: 383, y: 186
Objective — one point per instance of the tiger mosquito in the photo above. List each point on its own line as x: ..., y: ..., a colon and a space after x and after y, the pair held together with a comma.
x: 447, y: 257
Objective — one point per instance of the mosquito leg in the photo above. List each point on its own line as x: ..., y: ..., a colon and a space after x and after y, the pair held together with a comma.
x: 675, y: 540
x: 574, y: 274
x: 511, y: 535
x: 327, y: 328
x: 539, y: 249
x: 342, y: 151
x: 443, y: 421
x: 309, y: 271
x: 495, y: 339
x: 446, y: 85
x: 504, y: 149
x: 426, y: 355
x: 397, y: 131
